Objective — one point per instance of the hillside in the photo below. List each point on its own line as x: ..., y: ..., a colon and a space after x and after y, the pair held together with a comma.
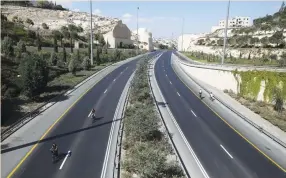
x: 55, y: 19
x: 265, y: 40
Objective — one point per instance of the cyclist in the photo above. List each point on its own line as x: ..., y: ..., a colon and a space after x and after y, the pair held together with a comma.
x: 93, y: 113
x: 211, y: 96
x: 200, y: 92
x: 54, y: 150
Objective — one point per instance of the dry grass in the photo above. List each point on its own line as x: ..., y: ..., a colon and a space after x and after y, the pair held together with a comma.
x: 265, y: 110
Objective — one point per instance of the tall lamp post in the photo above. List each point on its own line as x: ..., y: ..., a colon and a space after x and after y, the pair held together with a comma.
x: 91, y: 35
x: 182, y: 35
x: 225, y: 33
x: 137, y: 32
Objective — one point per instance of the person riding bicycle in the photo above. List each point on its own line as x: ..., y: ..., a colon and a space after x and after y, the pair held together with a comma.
x: 54, y: 149
x: 211, y: 96
x: 200, y: 92
x: 93, y: 112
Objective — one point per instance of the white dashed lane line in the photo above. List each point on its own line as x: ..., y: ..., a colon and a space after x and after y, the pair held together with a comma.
x: 226, y: 151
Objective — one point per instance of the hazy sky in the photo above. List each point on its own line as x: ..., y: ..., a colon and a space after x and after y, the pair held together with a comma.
x: 165, y: 18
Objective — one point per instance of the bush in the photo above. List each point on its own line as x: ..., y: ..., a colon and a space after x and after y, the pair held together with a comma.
x: 278, y: 99
x: 7, y: 47
x: 11, y: 93
x: 53, y: 59
x: 34, y: 74
x: 45, y: 26
x: 72, y: 65
x: 21, y: 48
x: 86, y: 63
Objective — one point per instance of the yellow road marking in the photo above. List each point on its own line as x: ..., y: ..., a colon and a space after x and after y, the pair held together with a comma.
x: 32, y: 149
x: 280, y: 167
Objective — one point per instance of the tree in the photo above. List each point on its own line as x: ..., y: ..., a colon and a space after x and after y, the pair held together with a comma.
x: 21, y: 48
x: 101, y: 40
x: 3, y: 18
x: 38, y: 42
x: 86, y: 63
x: 34, y: 74
x: 278, y: 99
x: 29, y: 22
x: 45, y: 26
x: 265, y: 28
x: 31, y: 34
x: 58, y: 35
x: 7, y: 47
x: 72, y: 67
x: 53, y: 59
x: 72, y: 29
x: 254, y: 40
x: 117, y: 55
x: 273, y: 57
x: 201, y: 42
x: 264, y: 41
x: 277, y: 38
x: 64, y: 55
x: 98, y: 52
x: 282, y: 60
x: 220, y: 42
x: 65, y: 32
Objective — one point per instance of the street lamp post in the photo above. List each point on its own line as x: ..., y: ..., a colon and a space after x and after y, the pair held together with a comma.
x: 91, y: 35
x: 225, y: 33
x: 137, y: 33
x: 182, y: 35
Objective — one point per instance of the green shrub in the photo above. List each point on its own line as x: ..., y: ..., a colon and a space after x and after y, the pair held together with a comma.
x: 53, y: 59
x: 278, y: 99
x: 86, y: 63
x: 7, y: 47
x: 34, y: 74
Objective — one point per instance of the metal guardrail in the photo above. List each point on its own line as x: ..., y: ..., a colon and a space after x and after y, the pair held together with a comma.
x: 230, y: 66
x: 168, y: 132
x: 277, y: 140
x: 32, y: 114
x: 117, y: 157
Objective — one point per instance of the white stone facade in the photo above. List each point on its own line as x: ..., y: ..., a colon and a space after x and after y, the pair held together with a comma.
x: 119, y: 35
x: 188, y: 41
x: 145, y: 39
x: 235, y: 22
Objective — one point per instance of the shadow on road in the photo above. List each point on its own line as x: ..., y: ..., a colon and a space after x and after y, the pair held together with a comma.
x: 56, y: 136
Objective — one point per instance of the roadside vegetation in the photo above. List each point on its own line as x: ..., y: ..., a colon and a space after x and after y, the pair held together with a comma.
x: 146, y: 152
x: 36, y: 67
x: 267, y: 60
x: 274, y: 113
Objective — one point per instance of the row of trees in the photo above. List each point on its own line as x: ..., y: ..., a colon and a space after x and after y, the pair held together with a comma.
x: 39, y: 4
x: 246, y: 41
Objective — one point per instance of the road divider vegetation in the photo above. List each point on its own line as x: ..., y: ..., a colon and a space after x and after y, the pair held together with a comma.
x: 146, y: 152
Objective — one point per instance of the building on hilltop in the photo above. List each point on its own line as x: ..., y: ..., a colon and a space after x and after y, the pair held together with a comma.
x: 119, y: 35
x: 235, y: 22
x: 145, y: 39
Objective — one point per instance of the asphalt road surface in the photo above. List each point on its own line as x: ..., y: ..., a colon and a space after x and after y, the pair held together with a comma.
x: 222, y: 152
x: 84, y: 136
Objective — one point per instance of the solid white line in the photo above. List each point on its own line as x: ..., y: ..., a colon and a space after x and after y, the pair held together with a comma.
x: 170, y: 82
x: 181, y: 133
x: 194, y: 113
x: 226, y: 151
x: 166, y: 75
x: 178, y: 94
x: 90, y: 114
x: 65, y: 159
x: 105, y: 91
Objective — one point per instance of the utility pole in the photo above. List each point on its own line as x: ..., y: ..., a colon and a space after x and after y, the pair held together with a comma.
x: 91, y: 35
x: 183, y: 34
x: 137, y: 33
x: 225, y: 33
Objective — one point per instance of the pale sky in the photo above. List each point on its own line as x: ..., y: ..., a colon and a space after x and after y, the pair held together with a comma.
x: 165, y: 18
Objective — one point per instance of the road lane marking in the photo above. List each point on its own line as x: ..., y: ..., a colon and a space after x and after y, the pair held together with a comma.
x: 114, y: 80
x: 166, y: 75
x: 120, y: 72
x: 226, y: 151
x: 65, y: 159
x: 193, y: 113
x: 178, y: 94
x: 254, y: 146
x: 89, y: 114
x: 49, y: 129
x: 170, y: 82
x: 105, y: 91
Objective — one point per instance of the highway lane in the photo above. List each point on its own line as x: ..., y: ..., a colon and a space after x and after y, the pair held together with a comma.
x: 85, y: 137
x: 222, y: 152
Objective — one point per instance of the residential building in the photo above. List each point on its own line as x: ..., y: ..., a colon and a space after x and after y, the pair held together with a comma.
x: 235, y: 22
x: 119, y: 35
x: 145, y: 39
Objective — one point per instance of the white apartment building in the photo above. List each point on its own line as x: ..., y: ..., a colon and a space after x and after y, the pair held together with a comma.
x: 235, y: 22
x: 145, y: 39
